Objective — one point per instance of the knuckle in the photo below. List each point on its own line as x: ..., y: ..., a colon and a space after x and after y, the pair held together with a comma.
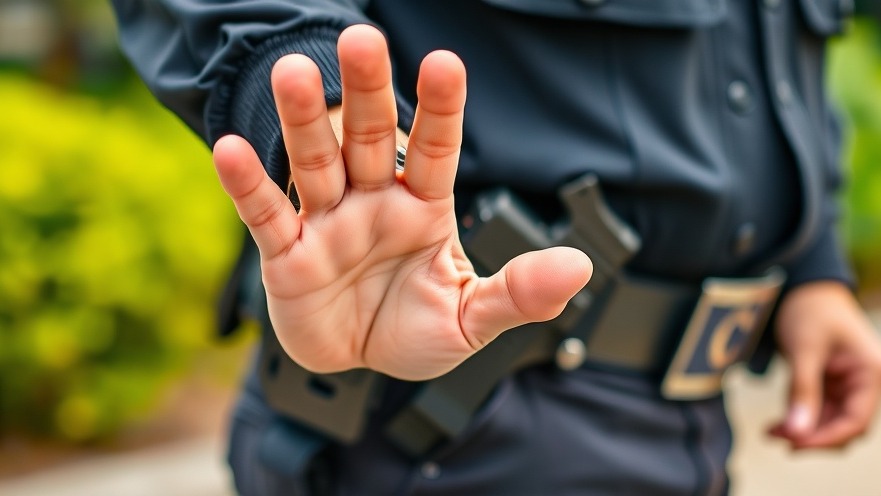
x: 268, y: 213
x: 368, y: 132
x: 433, y: 149
x: 370, y: 184
x: 315, y: 159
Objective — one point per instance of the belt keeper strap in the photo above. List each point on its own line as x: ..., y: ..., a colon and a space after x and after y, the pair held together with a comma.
x: 289, y: 449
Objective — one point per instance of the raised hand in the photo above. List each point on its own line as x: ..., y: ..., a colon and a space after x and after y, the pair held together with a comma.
x: 370, y: 272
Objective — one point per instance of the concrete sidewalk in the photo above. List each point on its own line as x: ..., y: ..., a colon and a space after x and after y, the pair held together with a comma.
x: 190, y: 468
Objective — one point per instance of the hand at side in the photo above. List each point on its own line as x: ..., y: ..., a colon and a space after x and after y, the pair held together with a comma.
x: 834, y: 355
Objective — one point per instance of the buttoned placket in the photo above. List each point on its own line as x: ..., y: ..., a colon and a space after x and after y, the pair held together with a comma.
x: 744, y: 116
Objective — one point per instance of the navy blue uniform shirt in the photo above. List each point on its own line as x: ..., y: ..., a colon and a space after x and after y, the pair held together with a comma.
x: 706, y: 120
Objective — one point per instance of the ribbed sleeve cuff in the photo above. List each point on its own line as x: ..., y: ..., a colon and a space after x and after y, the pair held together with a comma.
x: 245, y: 105
x: 825, y: 260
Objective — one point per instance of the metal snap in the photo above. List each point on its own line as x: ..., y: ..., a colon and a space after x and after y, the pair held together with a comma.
x: 740, y: 97
x: 570, y: 354
x: 430, y: 470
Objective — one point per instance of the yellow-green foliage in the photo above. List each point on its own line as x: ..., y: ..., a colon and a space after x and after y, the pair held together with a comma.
x: 115, y: 238
x: 855, y: 77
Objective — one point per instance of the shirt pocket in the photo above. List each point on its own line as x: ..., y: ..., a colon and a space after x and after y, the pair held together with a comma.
x: 648, y: 13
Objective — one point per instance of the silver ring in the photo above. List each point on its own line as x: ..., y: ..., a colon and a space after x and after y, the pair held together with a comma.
x: 400, y: 157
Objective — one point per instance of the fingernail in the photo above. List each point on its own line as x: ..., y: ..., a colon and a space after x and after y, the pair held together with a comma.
x: 799, y: 419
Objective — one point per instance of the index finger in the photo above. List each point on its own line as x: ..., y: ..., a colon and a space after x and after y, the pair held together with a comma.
x: 260, y: 203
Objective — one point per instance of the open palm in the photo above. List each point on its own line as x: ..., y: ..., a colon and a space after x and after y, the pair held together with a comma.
x: 370, y: 271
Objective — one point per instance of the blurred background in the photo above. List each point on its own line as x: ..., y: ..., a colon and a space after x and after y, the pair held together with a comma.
x: 115, y: 240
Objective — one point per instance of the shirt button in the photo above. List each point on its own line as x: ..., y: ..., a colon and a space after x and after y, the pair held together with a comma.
x: 784, y: 92
x: 430, y: 470
x: 744, y: 239
x: 571, y: 354
x: 740, y: 97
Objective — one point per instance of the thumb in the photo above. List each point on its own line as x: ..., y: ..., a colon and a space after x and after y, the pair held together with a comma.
x: 532, y: 287
x: 806, y: 391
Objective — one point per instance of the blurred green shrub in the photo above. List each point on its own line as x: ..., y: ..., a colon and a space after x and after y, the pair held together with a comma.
x: 855, y: 79
x: 115, y: 238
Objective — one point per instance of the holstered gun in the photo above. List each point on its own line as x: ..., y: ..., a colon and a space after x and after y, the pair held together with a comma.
x: 498, y: 228
x: 501, y: 226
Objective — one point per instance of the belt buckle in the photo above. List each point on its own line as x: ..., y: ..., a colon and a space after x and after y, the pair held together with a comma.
x: 724, y: 328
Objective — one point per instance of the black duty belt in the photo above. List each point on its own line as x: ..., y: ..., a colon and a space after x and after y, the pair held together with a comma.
x: 619, y: 320
x: 636, y: 333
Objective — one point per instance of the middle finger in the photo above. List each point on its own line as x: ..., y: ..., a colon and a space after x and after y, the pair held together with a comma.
x: 369, y: 112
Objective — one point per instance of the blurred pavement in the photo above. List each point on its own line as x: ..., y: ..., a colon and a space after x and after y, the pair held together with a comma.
x: 760, y: 466
x: 765, y: 466
x: 187, y: 468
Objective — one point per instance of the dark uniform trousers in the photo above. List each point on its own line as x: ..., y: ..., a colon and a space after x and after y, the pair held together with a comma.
x: 705, y: 121
x: 543, y: 432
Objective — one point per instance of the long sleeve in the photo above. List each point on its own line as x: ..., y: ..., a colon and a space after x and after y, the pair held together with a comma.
x: 209, y: 62
x: 825, y: 258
